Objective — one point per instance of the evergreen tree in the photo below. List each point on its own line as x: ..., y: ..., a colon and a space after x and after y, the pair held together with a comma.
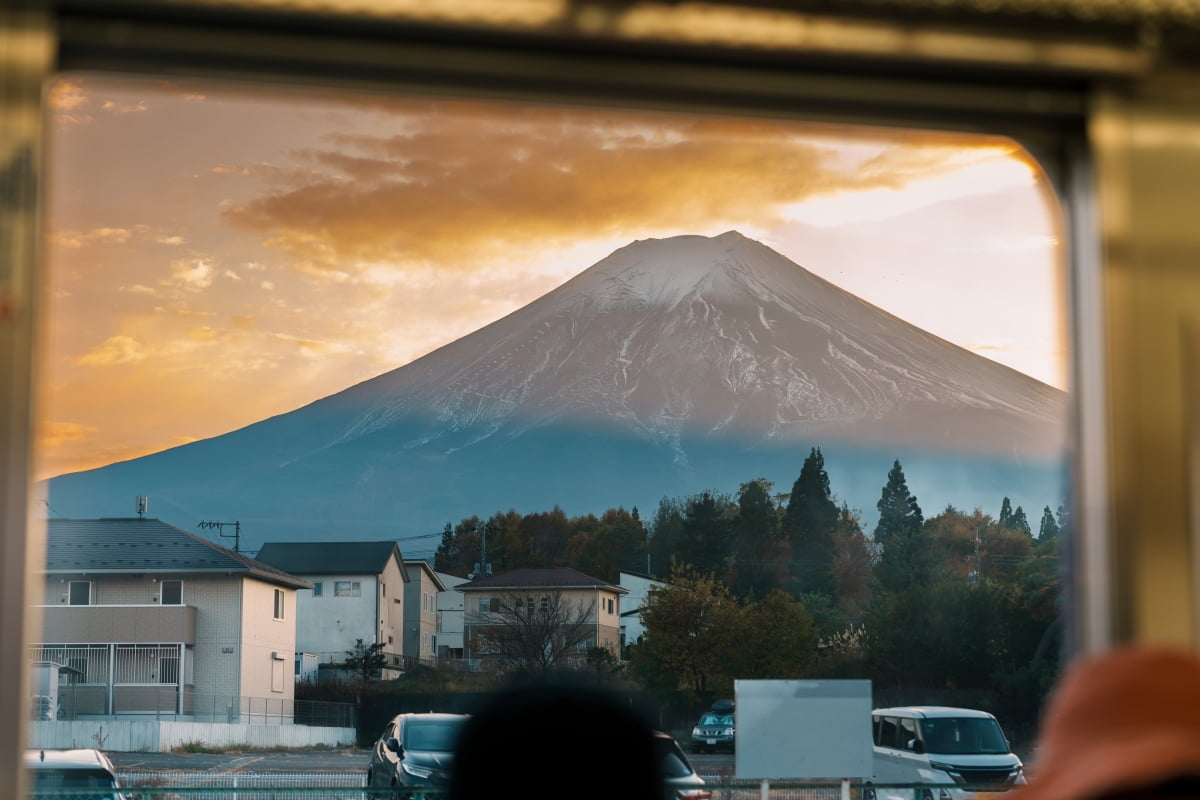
x: 1018, y: 522
x: 899, y: 514
x: 1006, y: 514
x: 809, y: 524
x: 1049, y: 527
x: 757, y: 547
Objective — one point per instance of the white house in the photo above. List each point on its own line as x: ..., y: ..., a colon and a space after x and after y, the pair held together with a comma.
x: 639, y: 587
x: 358, y: 592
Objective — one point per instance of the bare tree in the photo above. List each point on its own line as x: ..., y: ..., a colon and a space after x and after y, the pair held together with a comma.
x: 534, y: 632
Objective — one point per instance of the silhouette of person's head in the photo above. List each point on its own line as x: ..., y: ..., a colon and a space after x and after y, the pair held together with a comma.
x: 1124, y: 724
x: 554, y: 741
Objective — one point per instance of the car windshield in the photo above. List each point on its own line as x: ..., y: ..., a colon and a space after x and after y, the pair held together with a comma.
x: 717, y: 719
x: 963, y: 736
x: 432, y: 735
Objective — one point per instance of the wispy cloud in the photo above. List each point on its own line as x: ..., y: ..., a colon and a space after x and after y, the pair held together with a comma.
x: 194, y: 274
x: 116, y: 350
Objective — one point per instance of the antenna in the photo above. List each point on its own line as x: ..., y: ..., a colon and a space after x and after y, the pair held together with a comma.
x: 220, y: 526
x: 142, y: 504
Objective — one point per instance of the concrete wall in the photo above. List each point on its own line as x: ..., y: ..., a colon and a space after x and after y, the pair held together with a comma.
x: 330, y: 624
x: 126, y: 736
x: 268, y: 642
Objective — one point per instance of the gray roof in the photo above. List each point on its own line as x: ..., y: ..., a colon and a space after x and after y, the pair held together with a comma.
x: 332, y: 558
x: 540, y: 578
x: 137, y: 545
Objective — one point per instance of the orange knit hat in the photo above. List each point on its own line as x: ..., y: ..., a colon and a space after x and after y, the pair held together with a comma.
x: 1125, y: 720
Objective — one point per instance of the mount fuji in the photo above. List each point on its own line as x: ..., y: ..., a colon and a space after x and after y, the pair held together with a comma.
x: 670, y: 367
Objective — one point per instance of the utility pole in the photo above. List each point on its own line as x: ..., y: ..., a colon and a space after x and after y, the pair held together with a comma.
x: 220, y: 526
x: 482, y: 567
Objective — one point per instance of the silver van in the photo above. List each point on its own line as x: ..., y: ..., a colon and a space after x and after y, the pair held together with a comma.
x: 957, y: 751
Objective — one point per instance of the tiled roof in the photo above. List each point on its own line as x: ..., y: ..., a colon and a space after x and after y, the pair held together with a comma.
x: 332, y: 558
x: 540, y: 578
x: 146, y: 545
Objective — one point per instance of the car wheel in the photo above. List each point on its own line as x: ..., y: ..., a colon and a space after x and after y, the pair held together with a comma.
x: 927, y: 794
x: 868, y: 793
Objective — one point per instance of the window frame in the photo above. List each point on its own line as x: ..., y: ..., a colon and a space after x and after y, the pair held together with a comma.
x: 91, y: 596
x: 162, y: 592
x: 279, y: 610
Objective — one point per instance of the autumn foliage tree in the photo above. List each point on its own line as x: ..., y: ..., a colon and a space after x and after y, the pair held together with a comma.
x: 532, y: 634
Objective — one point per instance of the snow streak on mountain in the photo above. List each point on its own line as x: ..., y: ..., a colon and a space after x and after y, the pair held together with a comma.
x: 670, y: 367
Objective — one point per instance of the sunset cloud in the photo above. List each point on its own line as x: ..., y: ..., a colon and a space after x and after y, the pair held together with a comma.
x: 434, y: 195
x: 194, y: 275
x: 116, y: 350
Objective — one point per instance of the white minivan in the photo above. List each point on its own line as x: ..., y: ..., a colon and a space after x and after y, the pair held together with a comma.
x: 955, y: 750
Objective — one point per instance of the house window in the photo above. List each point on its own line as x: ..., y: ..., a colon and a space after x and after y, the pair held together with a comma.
x: 383, y: 589
x: 317, y: 589
x: 80, y: 593
x: 171, y: 594
x: 545, y: 603
x: 487, y: 604
x: 610, y: 605
x: 586, y: 644
x: 347, y: 589
x: 279, y: 604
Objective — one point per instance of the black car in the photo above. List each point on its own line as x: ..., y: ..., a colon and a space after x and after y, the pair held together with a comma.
x: 680, y: 779
x: 415, y: 753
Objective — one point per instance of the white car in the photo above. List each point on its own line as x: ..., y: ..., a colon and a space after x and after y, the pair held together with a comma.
x: 953, y: 750
x: 79, y: 773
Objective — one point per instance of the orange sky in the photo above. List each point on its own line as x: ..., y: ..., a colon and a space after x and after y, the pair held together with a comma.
x: 218, y: 256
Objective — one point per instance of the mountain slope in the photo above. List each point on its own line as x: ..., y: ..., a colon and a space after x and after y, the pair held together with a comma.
x: 669, y: 367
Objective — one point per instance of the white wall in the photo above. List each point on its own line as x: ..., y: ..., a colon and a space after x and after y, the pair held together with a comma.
x: 639, y: 587
x: 329, y: 624
x: 126, y: 736
x: 450, y: 612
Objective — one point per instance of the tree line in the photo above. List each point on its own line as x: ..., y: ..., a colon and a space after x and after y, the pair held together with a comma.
x: 789, y: 585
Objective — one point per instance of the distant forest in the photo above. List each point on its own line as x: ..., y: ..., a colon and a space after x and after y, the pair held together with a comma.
x: 960, y: 600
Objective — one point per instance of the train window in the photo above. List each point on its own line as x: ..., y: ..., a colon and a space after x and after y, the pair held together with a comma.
x: 816, y: 371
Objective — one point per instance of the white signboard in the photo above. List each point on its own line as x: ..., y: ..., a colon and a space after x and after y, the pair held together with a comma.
x: 803, y: 729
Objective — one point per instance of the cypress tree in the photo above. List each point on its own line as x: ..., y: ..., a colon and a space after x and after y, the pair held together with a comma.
x: 809, y: 523
x: 899, y: 513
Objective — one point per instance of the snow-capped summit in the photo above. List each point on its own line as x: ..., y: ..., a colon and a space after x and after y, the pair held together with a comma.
x: 704, y: 335
x: 670, y: 367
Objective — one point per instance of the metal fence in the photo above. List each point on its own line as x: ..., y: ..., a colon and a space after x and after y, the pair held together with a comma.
x: 310, y: 786
x: 81, y: 701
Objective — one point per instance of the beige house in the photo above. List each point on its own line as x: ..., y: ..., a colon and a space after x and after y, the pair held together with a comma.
x: 143, y: 618
x: 567, y: 611
x: 421, y: 612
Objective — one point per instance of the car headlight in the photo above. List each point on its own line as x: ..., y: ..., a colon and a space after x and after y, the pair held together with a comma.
x: 416, y: 771
x: 727, y: 732
x: 696, y: 732
x: 949, y: 769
